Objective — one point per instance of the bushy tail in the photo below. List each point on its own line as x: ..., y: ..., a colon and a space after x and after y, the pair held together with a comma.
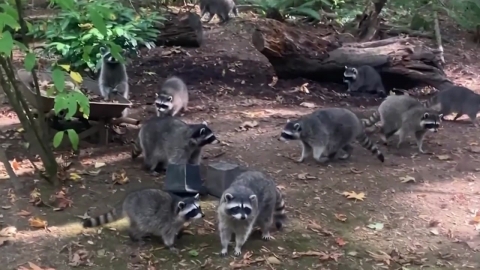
x: 372, y: 120
x: 136, y: 148
x: 279, y: 215
x: 370, y: 146
x: 108, y: 217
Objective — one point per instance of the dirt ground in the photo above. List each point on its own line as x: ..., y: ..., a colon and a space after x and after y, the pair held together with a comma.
x: 418, y: 211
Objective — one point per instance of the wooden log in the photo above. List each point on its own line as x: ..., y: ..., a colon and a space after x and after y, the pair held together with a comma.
x: 183, y: 29
x: 320, y: 57
x: 126, y: 120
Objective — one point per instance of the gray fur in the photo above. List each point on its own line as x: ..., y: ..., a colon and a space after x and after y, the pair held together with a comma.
x: 172, y: 97
x: 113, y: 77
x: 221, y: 8
x: 255, y: 191
x: 402, y: 116
x: 152, y: 211
x: 364, y: 79
x: 457, y: 99
x: 327, y: 133
x: 165, y: 140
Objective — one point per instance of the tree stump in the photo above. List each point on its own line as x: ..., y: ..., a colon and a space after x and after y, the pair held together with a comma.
x: 183, y: 29
x: 321, y: 57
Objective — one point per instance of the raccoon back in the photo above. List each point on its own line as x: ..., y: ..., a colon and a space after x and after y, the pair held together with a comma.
x: 338, y: 124
x: 263, y: 186
x: 113, y: 74
x: 393, y: 108
x: 457, y: 97
x: 175, y: 86
x: 217, y: 6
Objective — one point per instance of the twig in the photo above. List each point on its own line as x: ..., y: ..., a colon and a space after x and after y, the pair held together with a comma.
x: 17, y: 186
x: 438, y: 36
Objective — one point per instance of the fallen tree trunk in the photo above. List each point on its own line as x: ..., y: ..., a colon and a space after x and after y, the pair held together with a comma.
x: 320, y: 57
x: 183, y: 29
x: 369, y: 20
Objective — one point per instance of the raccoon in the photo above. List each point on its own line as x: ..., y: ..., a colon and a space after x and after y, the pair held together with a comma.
x: 364, y: 79
x: 404, y: 115
x: 172, y: 97
x: 329, y: 133
x: 113, y: 77
x: 457, y: 99
x: 251, y: 200
x: 152, y: 211
x: 221, y: 8
x: 164, y: 140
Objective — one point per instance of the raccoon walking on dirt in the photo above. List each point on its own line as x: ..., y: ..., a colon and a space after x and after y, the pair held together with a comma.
x: 329, y: 133
x: 152, y: 212
x: 251, y: 200
x: 221, y: 8
x: 364, y: 79
x: 172, y: 97
x: 457, y: 99
x: 165, y: 140
x: 113, y: 77
x: 402, y: 116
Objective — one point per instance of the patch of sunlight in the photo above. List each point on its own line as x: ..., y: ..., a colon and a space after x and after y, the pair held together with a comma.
x: 262, y: 113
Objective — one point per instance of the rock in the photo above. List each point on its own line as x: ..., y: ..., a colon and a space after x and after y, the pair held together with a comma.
x: 219, y: 176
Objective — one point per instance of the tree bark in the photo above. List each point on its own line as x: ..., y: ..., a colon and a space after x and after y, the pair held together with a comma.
x: 320, y: 57
x: 369, y: 21
x: 184, y: 29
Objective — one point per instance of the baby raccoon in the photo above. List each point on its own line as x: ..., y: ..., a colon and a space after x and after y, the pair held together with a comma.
x: 251, y: 200
x: 457, y: 99
x: 364, y: 79
x: 172, y: 97
x: 404, y: 115
x: 113, y: 77
x: 221, y: 8
x: 152, y: 211
x: 329, y: 133
x: 164, y: 140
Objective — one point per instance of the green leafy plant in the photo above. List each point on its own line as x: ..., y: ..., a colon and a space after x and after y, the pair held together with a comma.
x: 293, y: 8
x: 76, y: 33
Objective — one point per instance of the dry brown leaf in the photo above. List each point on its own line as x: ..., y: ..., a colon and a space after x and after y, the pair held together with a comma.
x: 3, y: 241
x: 314, y: 226
x: 247, y: 125
x: 407, y: 179
x: 74, y: 177
x: 274, y: 81
x: 380, y: 257
x: 305, y: 176
x: 35, y: 197
x: 23, y: 213
x: 99, y: 164
x: 8, y: 231
x: 38, y: 223
x: 443, y: 157
x: 80, y: 257
x: 303, y: 88
x: 120, y: 178
x: 274, y: 260
x: 340, y: 241
x: 34, y: 266
x: 353, y: 195
x: 476, y: 219
x: 341, y: 217
x: 15, y: 165
x: 308, y: 105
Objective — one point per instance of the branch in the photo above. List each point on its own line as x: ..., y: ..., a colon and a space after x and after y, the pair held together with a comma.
x: 11, y: 174
x: 438, y: 36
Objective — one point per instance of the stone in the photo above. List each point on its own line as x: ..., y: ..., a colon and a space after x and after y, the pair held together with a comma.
x: 184, y: 180
x: 219, y: 176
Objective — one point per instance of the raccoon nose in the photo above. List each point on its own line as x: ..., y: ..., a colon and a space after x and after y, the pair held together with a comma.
x: 203, y: 215
x: 242, y: 217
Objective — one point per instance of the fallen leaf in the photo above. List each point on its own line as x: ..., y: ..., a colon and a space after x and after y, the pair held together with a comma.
x: 6, y: 207
x: 434, y: 231
x: 274, y: 260
x: 34, y: 266
x: 99, y: 164
x: 376, y: 226
x: 476, y: 219
x: 305, y: 176
x: 35, y: 197
x: 15, y: 165
x: 475, y: 149
x: 23, y: 213
x: 314, y: 227
x: 120, y: 178
x: 340, y: 241
x: 80, y: 257
x: 407, y: 179
x: 74, y: 177
x: 274, y: 81
x: 341, y: 217
x: 308, y: 105
x: 3, y: 241
x: 443, y: 157
x: 380, y: 257
x: 247, y: 125
x: 38, y: 223
x: 353, y: 195
x: 8, y: 231
x: 303, y: 88
x: 193, y: 253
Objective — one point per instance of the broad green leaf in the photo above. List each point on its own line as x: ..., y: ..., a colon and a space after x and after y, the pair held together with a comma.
x: 60, y: 103
x: 58, y: 79
x: 6, y: 43
x: 71, y: 106
x: 76, y: 77
x: 50, y: 91
x: 83, y: 102
x: 10, y: 11
x: 58, y: 138
x: 29, y: 61
x: 74, y: 139
x: 20, y: 45
x: 98, y: 21
x: 66, y: 67
x: 65, y: 4
x: 6, y: 19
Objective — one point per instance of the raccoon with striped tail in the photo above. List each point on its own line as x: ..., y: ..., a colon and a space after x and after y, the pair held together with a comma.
x: 172, y: 97
x: 113, y: 77
x: 402, y: 116
x: 364, y: 79
x: 457, y: 99
x: 165, y: 140
x: 327, y: 134
x: 152, y: 212
x: 252, y: 199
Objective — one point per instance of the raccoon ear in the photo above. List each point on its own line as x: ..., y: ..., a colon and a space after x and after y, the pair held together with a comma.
x: 440, y: 116
x: 297, y: 126
x: 288, y: 120
x: 103, y: 50
x: 253, y: 197
x: 181, y: 205
x: 425, y: 116
x: 346, y: 67
x: 205, y: 123
x: 202, y: 131
x: 170, y: 98
x: 228, y: 197
x: 156, y: 95
x: 196, y: 197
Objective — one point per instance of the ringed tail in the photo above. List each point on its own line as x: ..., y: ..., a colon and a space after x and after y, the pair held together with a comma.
x: 370, y: 146
x: 108, y: 217
x: 279, y: 213
x: 372, y: 120
x: 136, y: 149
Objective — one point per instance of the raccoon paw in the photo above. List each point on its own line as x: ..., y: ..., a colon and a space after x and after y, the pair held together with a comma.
x: 174, y: 250
x: 223, y: 253
x: 155, y: 174
x: 267, y: 237
x: 237, y: 252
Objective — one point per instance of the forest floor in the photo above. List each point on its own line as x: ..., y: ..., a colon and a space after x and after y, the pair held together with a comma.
x: 418, y: 210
